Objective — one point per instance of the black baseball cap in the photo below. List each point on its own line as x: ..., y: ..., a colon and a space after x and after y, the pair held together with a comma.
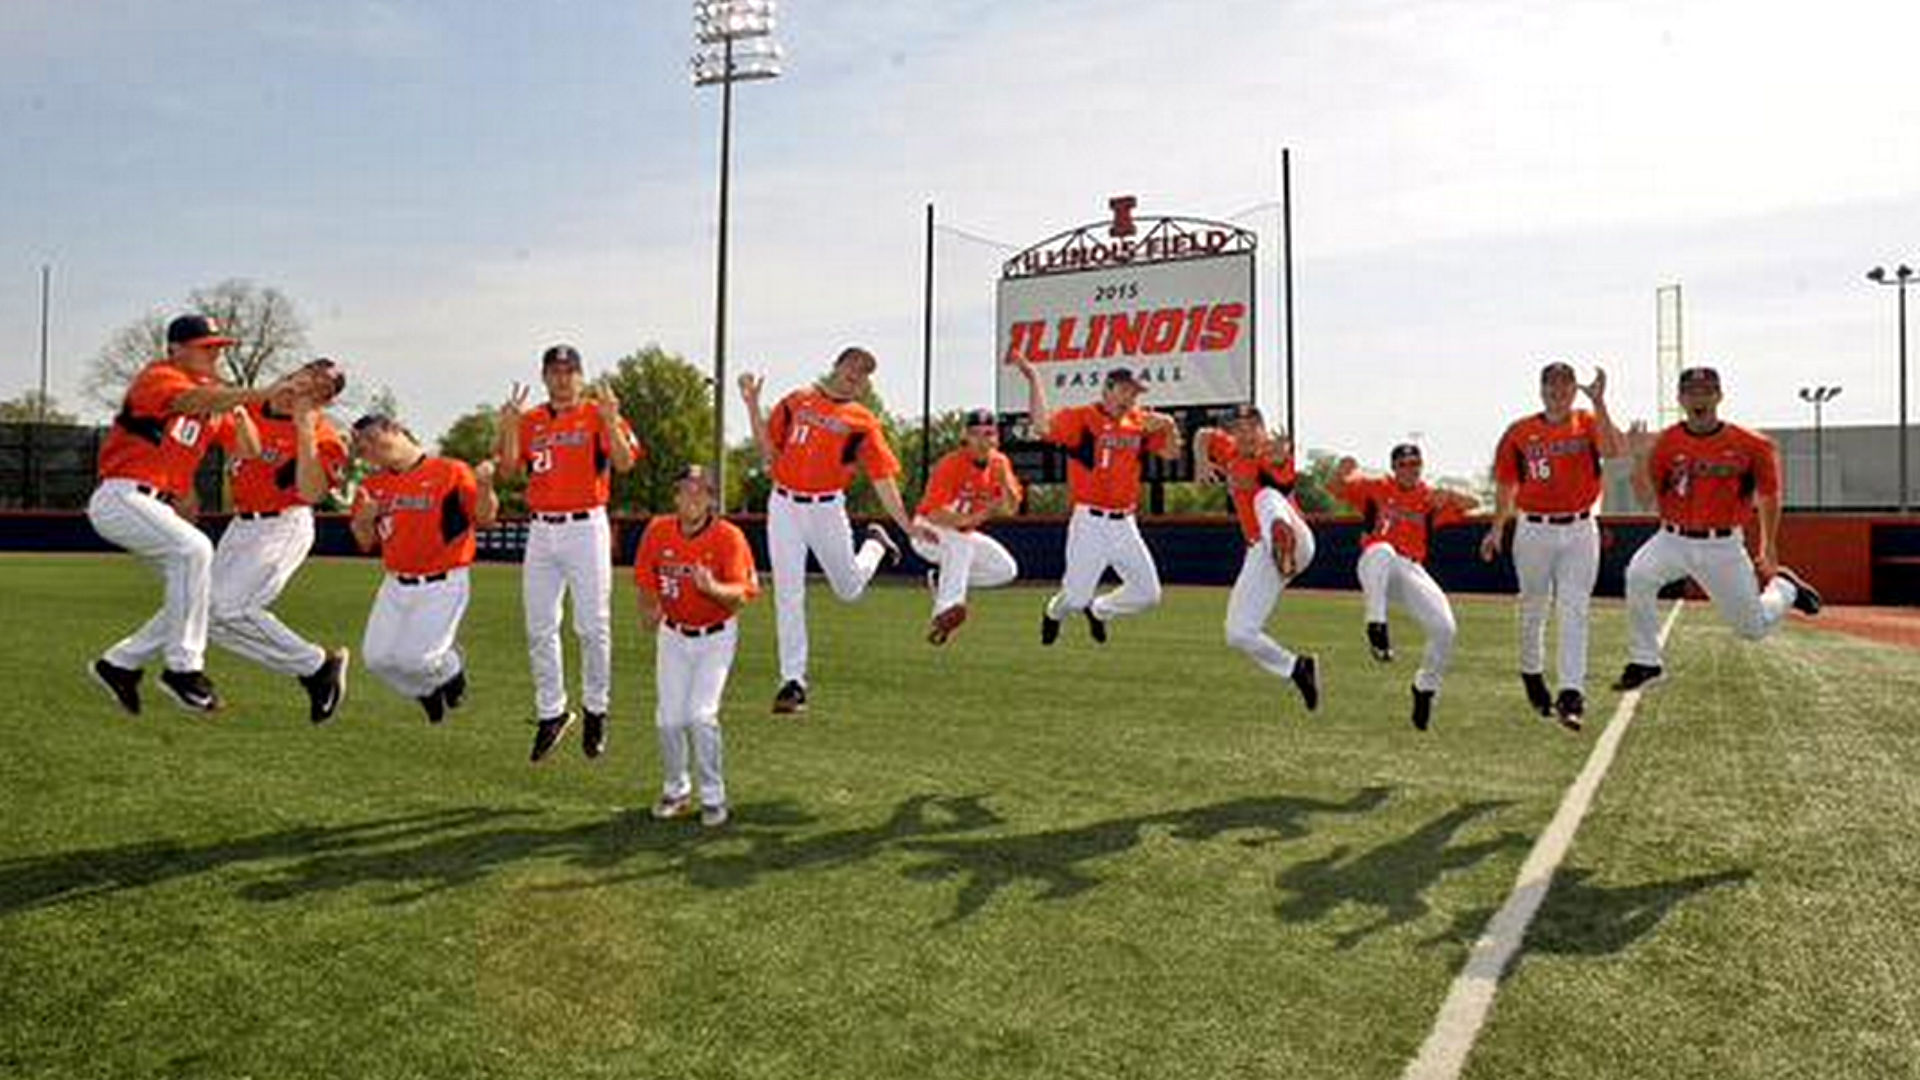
x: 1557, y: 369
x: 696, y: 472
x: 1246, y: 411
x: 982, y: 418
x: 560, y: 354
x: 1699, y: 376
x: 1404, y: 451
x: 376, y: 422
x: 1119, y: 375
x: 197, y: 330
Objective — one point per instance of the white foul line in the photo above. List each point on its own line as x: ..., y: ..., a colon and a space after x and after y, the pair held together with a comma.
x: 1470, y: 997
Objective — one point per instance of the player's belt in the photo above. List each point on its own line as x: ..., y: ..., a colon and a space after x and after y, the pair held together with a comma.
x: 149, y: 489
x: 1115, y: 515
x: 685, y: 630
x: 257, y: 515
x: 820, y: 497
x: 1557, y: 519
x: 420, y: 579
x: 562, y: 519
x: 1696, y: 534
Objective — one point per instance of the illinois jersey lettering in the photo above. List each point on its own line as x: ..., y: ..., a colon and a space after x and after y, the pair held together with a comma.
x: 568, y: 457
x: 1710, y: 481
x: 961, y: 485
x: 818, y: 440
x: 270, y: 483
x: 1402, y: 517
x: 667, y: 558
x: 1103, y: 454
x: 152, y: 444
x: 1555, y: 467
x: 426, y: 515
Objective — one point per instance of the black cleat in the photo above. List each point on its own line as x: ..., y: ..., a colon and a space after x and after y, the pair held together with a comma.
x: 593, y: 733
x: 1571, y: 708
x: 945, y: 623
x: 1636, y: 676
x: 122, y: 683
x: 1422, y: 709
x: 435, y: 704
x: 548, y: 733
x: 1379, y: 642
x: 1806, y: 598
x: 1537, y: 694
x: 792, y: 698
x: 454, y: 691
x: 192, y: 689
x: 1306, y: 676
x: 1049, y: 628
x: 326, y: 687
x: 877, y: 533
x: 1097, y: 627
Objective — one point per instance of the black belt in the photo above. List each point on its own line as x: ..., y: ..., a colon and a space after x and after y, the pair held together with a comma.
x: 1697, y: 534
x: 562, y: 519
x: 1557, y: 519
x: 1116, y: 515
x: 822, y: 497
x: 420, y: 579
x: 149, y: 489
x: 694, y: 631
x: 257, y: 515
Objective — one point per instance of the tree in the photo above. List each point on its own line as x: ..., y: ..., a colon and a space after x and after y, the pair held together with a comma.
x: 31, y: 407
x: 272, y: 339
x: 669, y: 402
x: 470, y: 438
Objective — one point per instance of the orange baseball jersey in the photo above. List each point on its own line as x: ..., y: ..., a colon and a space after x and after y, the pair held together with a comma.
x: 1246, y: 476
x: 817, y: 440
x: 1709, y: 481
x: 426, y: 515
x: 961, y: 485
x: 568, y: 457
x: 152, y: 444
x: 667, y: 556
x: 1556, y: 467
x: 268, y: 483
x: 1103, y: 454
x: 1403, y: 517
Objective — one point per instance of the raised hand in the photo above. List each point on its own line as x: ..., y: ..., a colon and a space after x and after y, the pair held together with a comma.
x: 1597, y: 389
x: 702, y: 579
x: 515, y: 404
x: 366, y: 510
x: 750, y: 387
x: 606, y: 403
x: 483, y: 473
x: 1640, y: 440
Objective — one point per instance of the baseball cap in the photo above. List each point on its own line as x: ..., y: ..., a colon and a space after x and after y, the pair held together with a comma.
x: 560, y: 354
x: 1700, y: 376
x: 1557, y: 369
x: 1119, y: 375
x: 1245, y: 411
x: 1404, y: 451
x: 696, y: 472
x: 982, y: 418
x: 375, y: 422
x: 197, y: 330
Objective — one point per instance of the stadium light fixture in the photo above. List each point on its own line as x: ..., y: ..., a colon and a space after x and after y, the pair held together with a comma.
x: 1818, y: 396
x: 1901, y: 277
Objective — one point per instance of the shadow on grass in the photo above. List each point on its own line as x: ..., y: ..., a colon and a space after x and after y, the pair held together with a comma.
x: 1056, y: 859
x: 1392, y: 878
x: 1582, y: 919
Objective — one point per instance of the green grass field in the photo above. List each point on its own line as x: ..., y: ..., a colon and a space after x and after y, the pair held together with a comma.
x: 991, y: 860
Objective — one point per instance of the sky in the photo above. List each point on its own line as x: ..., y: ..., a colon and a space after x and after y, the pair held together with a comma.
x: 445, y: 187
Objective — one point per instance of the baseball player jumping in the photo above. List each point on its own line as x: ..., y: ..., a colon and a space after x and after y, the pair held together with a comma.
x: 1104, y: 442
x: 421, y: 511
x: 968, y: 487
x: 695, y: 571
x: 1707, y: 476
x: 175, y: 408
x: 1547, y: 475
x: 1399, y: 514
x: 811, y: 443
x: 1258, y: 469
x: 301, y: 457
x: 569, y: 447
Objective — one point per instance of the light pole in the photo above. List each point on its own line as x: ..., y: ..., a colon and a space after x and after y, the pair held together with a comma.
x: 1818, y: 396
x: 734, y: 43
x: 1899, y: 279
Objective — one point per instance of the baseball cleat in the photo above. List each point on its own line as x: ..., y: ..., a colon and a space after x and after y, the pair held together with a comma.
x: 1379, y: 643
x: 1422, y: 709
x: 670, y: 807
x: 1049, y: 628
x: 548, y: 733
x: 877, y: 533
x: 1096, y: 626
x: 792, y: 698
x: 713, y: 817
x: 454, y: 690
x: 435, y: 706
x: 192, y: 690
x: 1806, y: 598
x: 1538, y: 695
x: 1638, y: 675
x: 1306, y: 676
x: 945, y: 623
x: 326, y: 687
x: 1571, y: 708
x: 122, y: 683
x: 593, y: 733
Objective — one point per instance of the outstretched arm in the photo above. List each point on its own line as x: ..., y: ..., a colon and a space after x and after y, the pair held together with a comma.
x: 1038, y: 415
x: 1612, y: 444
x: 750, y: 387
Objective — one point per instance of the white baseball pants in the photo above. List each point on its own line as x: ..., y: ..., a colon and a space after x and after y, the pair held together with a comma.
x: 1095, y: 542
x: 180, y: 553
x: 690, y: 674
x: 1723, y: 569
x: 1388, y: 576
x: 1257, y: 590
x: 409, y: 641
x: 966, y: 560
x: 1556, y: 565
x: 793, y: 529
x: 575, y: 556
x: 252, y: 564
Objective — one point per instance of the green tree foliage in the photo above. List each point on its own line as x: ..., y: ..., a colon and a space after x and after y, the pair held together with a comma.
x: 669, y: 402
x: 29, y: 408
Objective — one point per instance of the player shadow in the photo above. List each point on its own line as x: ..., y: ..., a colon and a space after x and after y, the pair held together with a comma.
x: 40, y: 881
x: 1391, y: 878
x: 1058, y: 859
x: 1583, y: 919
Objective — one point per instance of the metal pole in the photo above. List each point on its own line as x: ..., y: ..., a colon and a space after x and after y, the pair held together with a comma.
x: 46, y: 292
x: 1819, y: 454
x: 1903, y: 395
x: 926, y: 362
x: 1286, y: 277
x: 720, y: 292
